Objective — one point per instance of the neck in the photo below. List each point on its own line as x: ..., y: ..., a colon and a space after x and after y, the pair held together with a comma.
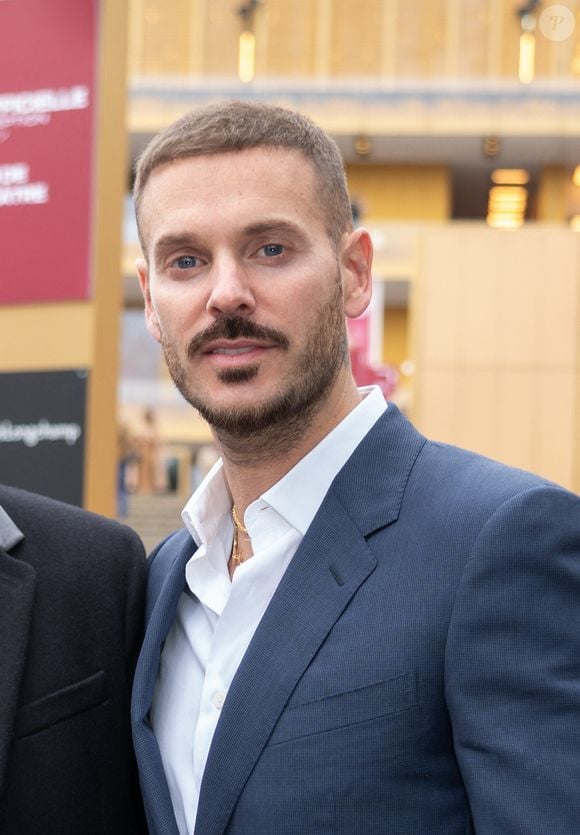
x: 253, y: 465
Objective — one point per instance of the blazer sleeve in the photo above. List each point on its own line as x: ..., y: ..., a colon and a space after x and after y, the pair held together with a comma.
x: 512, y: 671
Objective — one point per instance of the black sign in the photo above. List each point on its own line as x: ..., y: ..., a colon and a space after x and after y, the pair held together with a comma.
x: 42, y: 432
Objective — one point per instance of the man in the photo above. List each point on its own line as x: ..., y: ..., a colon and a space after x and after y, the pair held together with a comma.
x: 359, y: 630
x: 71, y: 588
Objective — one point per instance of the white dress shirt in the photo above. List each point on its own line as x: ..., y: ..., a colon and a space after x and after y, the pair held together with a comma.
x: 216, y: 618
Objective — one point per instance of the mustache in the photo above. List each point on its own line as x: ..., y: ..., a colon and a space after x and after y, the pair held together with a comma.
x: 233, y: 327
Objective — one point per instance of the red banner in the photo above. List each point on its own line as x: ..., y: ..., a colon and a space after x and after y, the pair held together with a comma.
x: 47, y: 92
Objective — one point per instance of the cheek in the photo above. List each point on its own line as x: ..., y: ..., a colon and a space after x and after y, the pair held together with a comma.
x: 176, y: 320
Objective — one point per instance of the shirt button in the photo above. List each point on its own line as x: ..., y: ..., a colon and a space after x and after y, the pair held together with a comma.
x: 219, y: 699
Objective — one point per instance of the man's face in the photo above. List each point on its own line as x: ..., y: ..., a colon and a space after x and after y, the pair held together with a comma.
x: 243, y: 287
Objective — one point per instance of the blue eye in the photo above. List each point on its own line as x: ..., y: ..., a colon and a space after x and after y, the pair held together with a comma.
x: 186, y: 262
x: 271, y: 250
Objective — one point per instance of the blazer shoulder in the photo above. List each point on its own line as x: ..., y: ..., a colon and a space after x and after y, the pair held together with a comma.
x: 473, y: 479
x: 52, y: 527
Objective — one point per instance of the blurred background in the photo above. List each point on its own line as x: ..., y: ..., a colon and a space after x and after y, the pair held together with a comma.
x: 459, y: 124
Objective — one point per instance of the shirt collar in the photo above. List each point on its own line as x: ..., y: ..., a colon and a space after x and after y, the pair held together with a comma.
x: 298, y: 494
x: 204, y: 511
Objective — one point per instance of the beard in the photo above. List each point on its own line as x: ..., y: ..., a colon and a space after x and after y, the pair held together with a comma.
x: 282, y: 418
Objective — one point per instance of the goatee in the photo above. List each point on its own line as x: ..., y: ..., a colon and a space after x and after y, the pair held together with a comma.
x: 277, y: 423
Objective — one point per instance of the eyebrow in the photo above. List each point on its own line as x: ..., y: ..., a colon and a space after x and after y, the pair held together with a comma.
x: 175, y: 241
x: 168, y: 241
x: 272, y: 226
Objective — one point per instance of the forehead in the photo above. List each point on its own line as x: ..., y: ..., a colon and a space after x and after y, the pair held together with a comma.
x: 226, y: 187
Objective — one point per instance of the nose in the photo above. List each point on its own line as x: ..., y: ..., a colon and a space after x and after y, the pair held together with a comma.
x: 231, y: 292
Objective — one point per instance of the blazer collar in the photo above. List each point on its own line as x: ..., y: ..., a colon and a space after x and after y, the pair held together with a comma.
x: 17, y: 585
x: 166, y: 583
x: 326, y: 571
x: 372, y: 483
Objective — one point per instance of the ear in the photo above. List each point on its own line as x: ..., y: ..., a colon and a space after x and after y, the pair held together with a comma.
x: 356, y: 264
x: 151, y: 320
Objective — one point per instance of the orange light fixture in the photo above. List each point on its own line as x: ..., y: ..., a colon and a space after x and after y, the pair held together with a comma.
x: 527, y: 62
x: 247, y: 56
x: 510, y: 176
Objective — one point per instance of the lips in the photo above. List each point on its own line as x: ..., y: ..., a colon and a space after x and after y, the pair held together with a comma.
x: 232, y: 352
x: 235, y: 348
x: 236, y: 354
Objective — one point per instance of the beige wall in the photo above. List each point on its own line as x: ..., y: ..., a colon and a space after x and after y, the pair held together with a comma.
x: 400, y: 192
x: 497, y: 345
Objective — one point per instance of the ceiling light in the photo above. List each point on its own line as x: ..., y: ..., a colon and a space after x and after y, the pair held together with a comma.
x: 491, y: 146
x: 247, y: 41
x: 246, y: 56
x: 363, y: 145
x: 527, y: 62
x: 510, y: 176
x: 507, y: 206
x: 505, y: 221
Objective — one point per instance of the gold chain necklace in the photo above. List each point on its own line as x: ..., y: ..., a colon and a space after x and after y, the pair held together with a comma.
x: 236, y: 556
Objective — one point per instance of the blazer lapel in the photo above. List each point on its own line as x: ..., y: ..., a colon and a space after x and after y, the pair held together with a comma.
x: 322, y: 578
x: 17, y: 584
x: 175, y: 554
x: 326, y: 571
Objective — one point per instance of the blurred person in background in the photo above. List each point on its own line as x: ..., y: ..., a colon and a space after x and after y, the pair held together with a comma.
x: 71, y: 606
x: 151, y: 476
x: 126, y: 460
x: 358, y: 630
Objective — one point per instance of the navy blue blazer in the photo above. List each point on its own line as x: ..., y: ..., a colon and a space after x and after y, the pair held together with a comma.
x: 417, y: 670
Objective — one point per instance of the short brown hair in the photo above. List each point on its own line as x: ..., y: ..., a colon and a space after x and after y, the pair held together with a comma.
x: 237, y: 126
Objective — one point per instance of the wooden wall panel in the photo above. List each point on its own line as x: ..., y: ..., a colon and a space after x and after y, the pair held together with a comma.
x: 437, y: 305
x: 558, y: 293
x: 554, y: 58
x: 517, y: 300
x: 291, y: 37
x: 516, y: 394
x: 421, y: 38
x: 356, y: 38
x: 438, y: 399
x: 558, y: 426
x: 475, y: 410
x: 222, y: 32
x: 510, y: 40
x: 341, y: 38
x: 476, y: 308
x: 135, y: 37
x: 165, y: 37
x: 497, y: 345
x: 473, y: 25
